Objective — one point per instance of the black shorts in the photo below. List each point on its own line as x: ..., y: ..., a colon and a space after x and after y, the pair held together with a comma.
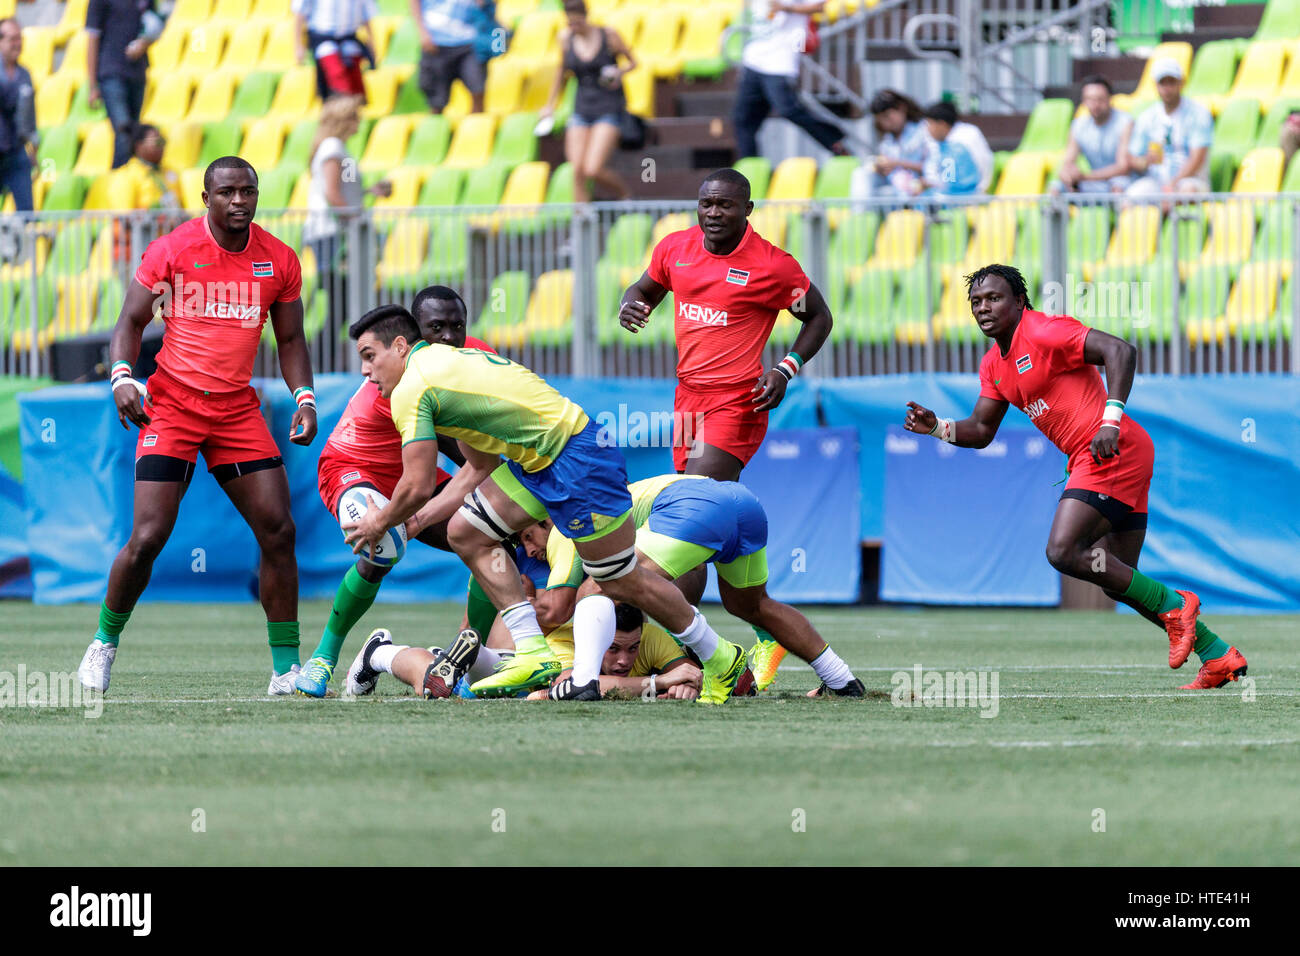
x: 444, y: 65
x: 1122, y: 518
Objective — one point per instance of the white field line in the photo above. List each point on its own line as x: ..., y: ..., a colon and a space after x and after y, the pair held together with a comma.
x: 1046, y: 744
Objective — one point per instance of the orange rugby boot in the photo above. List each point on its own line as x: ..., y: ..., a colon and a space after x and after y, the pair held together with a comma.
x: 1180, y: 625
x: 1219, y: 671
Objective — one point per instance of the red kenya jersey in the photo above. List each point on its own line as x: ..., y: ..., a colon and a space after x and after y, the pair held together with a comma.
x: 725, y: 305
x: 219, y: 301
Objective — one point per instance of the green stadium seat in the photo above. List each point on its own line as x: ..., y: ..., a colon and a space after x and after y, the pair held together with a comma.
x: 1205, y: 293
x: 628, y: 240
x: 1153, y: 322
x: 949, y: 235
x: 1270, y: 131
x: 253, y: 98
x: 443, y: 187
x: 609, y: 292
x: 296, y: 152
x: 1088, y: 233
x: 409, y: 97
x: 429, y: 141
x: 1191, y: 224
x: 1273, y: 243
x: 59, y: 145
x: 515, y: 142
x: 1048, y: 128
x: 835, y: 178
x: 220, y: 138
x: 394, y: 8
x: 483, y: 186
x: 1283, y: 317
x: 111, y: 296
x: 1281, y: 21
x: 44, y: 296
x: 1113, y: 303
x: 507, y: 301
x: 918, y: 294
x: 1236, y: 127
x: 356, y: 143
x: 448, y: 257
x: 403, y: 49
x: 854, y: 240
x: 275, y: 187
x: 1213, y: 69
x: 868, y: 316
x: 79, y: 113
x: 66, y: 193
x: 1223, y: 168
x: 759, y: 173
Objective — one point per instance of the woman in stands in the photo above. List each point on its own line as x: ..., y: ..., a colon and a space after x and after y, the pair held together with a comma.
x: 592, y: 54
x: 334, y: 194
x: 900, y: 148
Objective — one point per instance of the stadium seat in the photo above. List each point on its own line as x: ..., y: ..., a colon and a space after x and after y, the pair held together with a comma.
x: 295, y: 96
x: 253, y: 98
x: 1202, y: 303
x: 667, y: 225
x: 483, y: 186
x: 853, y: 241
x: 406, y: 182
x: 1048, y: 128
x: 190, y: 13
x: 537, y: 88
x: 770, y: 222
x: 220, y: 138
x: 428, y: 142
x: 96, y: 154
x: 38, y: 51
x: 1088, y: 233
x: 1252, y: 301
x: 279, y: 53
x: 1023, y: 175
x: 471, y: 146
x: 507, y: 301
x: 74, y: 57
x: 639, y: 90
x: 793, y: 179
x: 505, y: 85
x: 58, y: 149
x: 759, y: 173
x: 171, y: 101
x: 381, y: 92
x: 994, y: 239
x: 244, y: 52
x: 53, y: 100
x: 403, y: 49
x: 627, y: 22
x: 526, y: 186
x: 1178, y: 51
x: 80, y: 112
x: 404, y: 251
x: 381, y: 34
x: 1281, y: 21
x: 700, y: 54
x: 899, y: 241
x: 1231, y: 237
x: 1258, y: 76
x: 1133, y: 242
x: 448, y: 258
x: 71, y: 23
x: 1270, y: 130
x: 1236, y: 126
x: 627, y: 243
x: 834, y: 180
x: 262, y: 144
x: 1260, y: 171
x: 66, y: 193
x: 212, y: 98
x: 204, y: 49
x: 38, y: 298
x: 298, y: 198
x: 192, y: 189
x: 167, y: 53
x: 549, y: 318
x: 409, y: 97
x: 110, y: 190
x: 949, y: 236
x: 231, y: 11
x: 442, y: 187
x: 867, y: 316
x: 297, y: 146
x: 184, y: 143
x: 386, y: 147
x: 658, y: 46
x: 534, y: 38
x: 275, y: 187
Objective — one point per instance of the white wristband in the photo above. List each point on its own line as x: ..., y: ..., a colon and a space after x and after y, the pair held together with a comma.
x: 1114, y: 413
x: 945, y: 429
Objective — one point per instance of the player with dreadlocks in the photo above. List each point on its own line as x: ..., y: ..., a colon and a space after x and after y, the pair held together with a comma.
x: 1045, y: 366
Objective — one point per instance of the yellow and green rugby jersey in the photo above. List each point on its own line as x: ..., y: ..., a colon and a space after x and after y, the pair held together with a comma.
x: 488, y: 402
x: 562, y: 557
x: 646, y: 490
x: 657, y: 653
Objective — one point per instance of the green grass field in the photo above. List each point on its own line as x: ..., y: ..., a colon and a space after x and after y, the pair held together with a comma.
x: 1089, y: 718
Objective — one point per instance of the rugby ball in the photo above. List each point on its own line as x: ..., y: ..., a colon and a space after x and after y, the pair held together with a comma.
x: 352, y: 506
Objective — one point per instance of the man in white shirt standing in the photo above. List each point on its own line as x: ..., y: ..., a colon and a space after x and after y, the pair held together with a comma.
x: 769, y: 68
x: 1170, y: 146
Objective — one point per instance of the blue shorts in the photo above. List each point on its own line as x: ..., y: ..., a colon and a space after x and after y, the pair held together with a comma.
x: 723, y: 516
x: 580, y: 121
x: 584, y: 490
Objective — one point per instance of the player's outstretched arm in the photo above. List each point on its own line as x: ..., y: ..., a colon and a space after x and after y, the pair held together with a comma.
x: 810, y: 309
x: 124, y: 349
x: 977, y: 431
x: 295, y: 366
x: 416, y: 486
x: 1119, y: 359
x: 477, y: 466
x: 639, y: 300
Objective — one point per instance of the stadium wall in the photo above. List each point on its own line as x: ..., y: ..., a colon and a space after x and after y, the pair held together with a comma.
x: 1222, y: 515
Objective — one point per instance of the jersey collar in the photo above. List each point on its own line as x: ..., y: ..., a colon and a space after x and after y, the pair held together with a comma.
x: 749, y: 231
x: 415, y: 348
x: 207, y: 227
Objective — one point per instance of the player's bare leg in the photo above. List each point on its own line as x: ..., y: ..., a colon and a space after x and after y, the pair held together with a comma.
x: 262, y: 498
x: 154, y: 515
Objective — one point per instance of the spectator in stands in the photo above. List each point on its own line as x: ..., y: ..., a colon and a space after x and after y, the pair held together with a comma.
x: 156, y: 186
x: 117, y: 62
x: 448, y: 30
x: 958, y: 161
x: 769, y: 68
x: 335, y: 193
x: 591, y: 54
x: 1289, y: 139
x: 1170, y: 146
x: 332, y: 29
x: 1101, y: 137
x: 900, y: 145
x: 17, y: 118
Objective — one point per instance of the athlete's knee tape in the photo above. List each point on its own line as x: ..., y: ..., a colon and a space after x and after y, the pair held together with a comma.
x: 613, y: 567
x: 480, y: 513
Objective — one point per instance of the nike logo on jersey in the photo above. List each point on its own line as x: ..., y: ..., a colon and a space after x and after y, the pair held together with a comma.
x: 203, y: 265
x: 682, y: 265
x: 997, y: 381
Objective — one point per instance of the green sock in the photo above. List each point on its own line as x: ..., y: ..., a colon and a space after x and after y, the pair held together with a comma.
x: 480, y: 611
x: 1151, y: 594
x: 111, y: 624
x: 1209, y: 646
x: 351, y: 600
x: 283, y: 638
x: 762, y: 634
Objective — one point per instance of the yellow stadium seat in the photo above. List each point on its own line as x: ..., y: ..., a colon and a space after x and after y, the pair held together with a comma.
x: 96, y: 154
x: 74, y: 56
x: 184, y: 142
x: 280, y: 52
x: 112, y: 190
x: 190, y: 12
x: 794, y: 178
x: 1259, y: 75
x: 296, y: 95
x: 53, y: 98
x: 701, y: 36
x: 38, y: 51
x: 657, y: 47
x: 166, y: 54
x: 71, y: 23
x: 1253, y: 298
x: 192, y: 189
x: 386, y: 146
x: 770, y: 223
x: 204, y: 49
x: 550, y: 307
x: 170, y: 102
x: 381, y: 92
x: 526, y: 187
x: 405, y: 250
x: 1178, y: 51
x: 534, y: 39
x: 673, y: 222
x: 244, y: 51
x: 471, y: 144
x: 1260, y: 171
x: 899, y: 240
x: 1231, y: 235
x: 537, y: 86
x: 639, y: 89
x: 406, y: 181
x: 1023, y: 175
x: 264, y: 141
x: 232, y: 11
x: 994, y: 236
x: 272, y: 10
x: 301, y: 189
x: 1133, y: 243
x: 505, y: 85
x: 102, y: 252
x: 626, y: 22
x: 212, y: 99
x: 78, y: 297
x: 382, y: 30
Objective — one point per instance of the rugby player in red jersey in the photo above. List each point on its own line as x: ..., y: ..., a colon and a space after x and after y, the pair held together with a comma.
x: 217, y: 279
x: 1045, y: 365
x: 365, y: 450
x: 728, y: 284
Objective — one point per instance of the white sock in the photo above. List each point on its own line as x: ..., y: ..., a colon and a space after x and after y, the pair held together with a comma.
x: 485, y: 665
x: 699, y: 637
x: 833, y: 671
x: 593, y: 633
x: 521, y: 619
x: 381, y: 658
